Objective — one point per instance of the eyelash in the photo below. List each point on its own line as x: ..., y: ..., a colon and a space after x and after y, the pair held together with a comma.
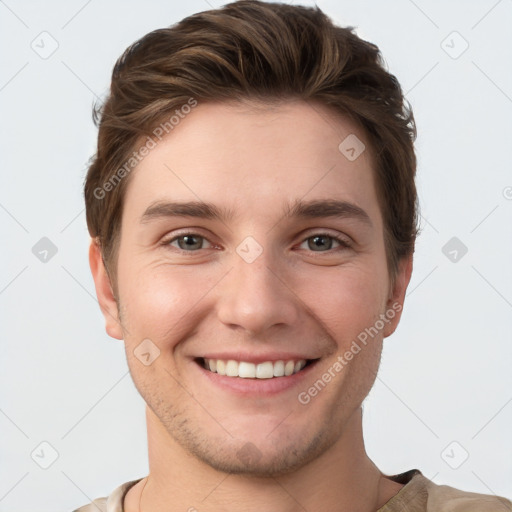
x: 343, y: 243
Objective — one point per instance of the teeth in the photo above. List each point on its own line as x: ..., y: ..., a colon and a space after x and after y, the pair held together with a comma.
x: 279, y: 369
x: 232, y: 368
x: 245, y: 370
x: 221, y: 367
x: 265, y: 370
x: 288, y: 368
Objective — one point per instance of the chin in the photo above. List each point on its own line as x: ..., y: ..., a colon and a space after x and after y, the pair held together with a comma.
x: 263, y: 458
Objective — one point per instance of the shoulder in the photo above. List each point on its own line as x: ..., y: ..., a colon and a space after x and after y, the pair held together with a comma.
x: 112, y: 503
x: 419, y: 494
x: 98, y: 505
x: 443, y: 498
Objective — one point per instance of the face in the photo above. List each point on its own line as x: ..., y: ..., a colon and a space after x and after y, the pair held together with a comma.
x: 283, y: 271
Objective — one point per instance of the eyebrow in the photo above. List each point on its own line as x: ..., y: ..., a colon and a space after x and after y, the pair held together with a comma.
x: 327, y: 208
x: 199, y: 209
x: 299, y: 209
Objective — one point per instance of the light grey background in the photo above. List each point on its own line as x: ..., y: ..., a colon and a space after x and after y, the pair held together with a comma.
x: 446, y: 373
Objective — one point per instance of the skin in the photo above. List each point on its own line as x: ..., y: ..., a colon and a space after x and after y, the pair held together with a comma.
x: 294, y: 297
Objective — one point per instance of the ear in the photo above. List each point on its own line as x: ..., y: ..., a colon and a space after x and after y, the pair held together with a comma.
x: 395, y: 303
x: 104, y: 292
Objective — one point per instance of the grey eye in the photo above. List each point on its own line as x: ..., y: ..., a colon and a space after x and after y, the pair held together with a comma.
x: 320, y: 242
x: 188, y: 242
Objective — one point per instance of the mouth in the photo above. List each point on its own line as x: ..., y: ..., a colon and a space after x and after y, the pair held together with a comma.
x: 248, y: 370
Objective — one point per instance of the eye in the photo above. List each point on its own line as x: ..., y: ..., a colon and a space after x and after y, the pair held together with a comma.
x: 322, y: 242
x: 188, y: 242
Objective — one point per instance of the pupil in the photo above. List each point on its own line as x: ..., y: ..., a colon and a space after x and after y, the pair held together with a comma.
x: 319, y: 241
x: 189, y: 242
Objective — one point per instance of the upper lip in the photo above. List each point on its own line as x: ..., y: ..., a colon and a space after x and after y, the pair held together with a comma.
x: 256, y: 358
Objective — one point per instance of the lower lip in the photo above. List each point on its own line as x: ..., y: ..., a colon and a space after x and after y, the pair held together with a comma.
x: 261, y: 387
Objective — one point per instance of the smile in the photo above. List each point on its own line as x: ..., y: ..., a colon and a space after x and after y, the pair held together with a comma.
x: 247, y: 370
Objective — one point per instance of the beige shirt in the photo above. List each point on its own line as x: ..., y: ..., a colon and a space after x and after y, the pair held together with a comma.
x: 419, y: 494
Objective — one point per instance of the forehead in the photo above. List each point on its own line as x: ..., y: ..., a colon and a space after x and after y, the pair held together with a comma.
x: 254, y: 159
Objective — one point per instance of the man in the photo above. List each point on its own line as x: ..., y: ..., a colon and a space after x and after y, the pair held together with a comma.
x: 252, y: 209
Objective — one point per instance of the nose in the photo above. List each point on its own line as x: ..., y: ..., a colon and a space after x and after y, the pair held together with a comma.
x: 255, y: 297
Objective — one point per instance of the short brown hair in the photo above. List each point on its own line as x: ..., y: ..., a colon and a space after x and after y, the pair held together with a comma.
x: 268, y: 52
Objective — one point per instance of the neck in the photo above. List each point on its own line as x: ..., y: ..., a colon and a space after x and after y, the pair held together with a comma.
x: 342, y: 478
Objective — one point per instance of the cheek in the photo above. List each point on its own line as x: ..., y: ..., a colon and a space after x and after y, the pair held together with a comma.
x: 157, y: 306
x: 346, y: 300
x: 161, y: 302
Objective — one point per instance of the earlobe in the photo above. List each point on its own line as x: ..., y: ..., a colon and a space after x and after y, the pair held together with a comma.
x: 104, y: 292
x: 396, y: 299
